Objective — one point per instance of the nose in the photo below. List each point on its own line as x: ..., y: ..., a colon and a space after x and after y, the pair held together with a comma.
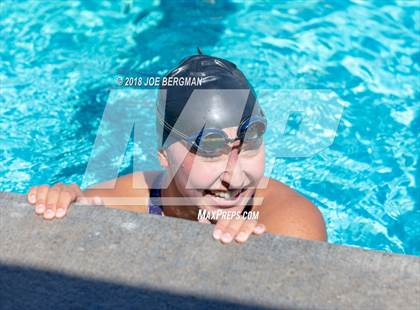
x: 233, y: 174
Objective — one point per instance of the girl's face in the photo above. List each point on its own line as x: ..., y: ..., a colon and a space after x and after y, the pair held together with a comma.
x: 227, y: 181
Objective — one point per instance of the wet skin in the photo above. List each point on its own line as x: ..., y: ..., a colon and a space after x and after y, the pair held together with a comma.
x: 282, y: 211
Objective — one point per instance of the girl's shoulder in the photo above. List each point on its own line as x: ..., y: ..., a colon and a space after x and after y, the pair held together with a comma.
x: 145, y: 179
x: 131, y: 183
x: 286, y: 212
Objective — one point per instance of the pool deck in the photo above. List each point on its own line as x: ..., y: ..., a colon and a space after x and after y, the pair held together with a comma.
x: 107, y: 258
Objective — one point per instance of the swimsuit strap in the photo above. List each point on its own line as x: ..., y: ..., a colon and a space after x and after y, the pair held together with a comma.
x: 155, y: 206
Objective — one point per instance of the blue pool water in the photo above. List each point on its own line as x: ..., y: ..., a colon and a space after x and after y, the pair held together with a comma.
x: 59, y: 59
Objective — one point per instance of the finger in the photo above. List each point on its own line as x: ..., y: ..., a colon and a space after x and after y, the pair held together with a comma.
x: 95, y: 200
x: 259, y: 229
x: 203, y: 220
x: 246, y: 230
x: 64, y: 201
x: 32, y: 194
x: 52, y: 199
x: 82, y: 200
x: 219, y: 228
x: 231, y: 230
x: 41, y: 196
x: 76, y: 189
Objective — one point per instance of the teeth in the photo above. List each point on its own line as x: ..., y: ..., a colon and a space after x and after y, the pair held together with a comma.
x: 225, y: 195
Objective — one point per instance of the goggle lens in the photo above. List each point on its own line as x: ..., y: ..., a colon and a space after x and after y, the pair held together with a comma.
x: 216, y: 142
x: 212, y: 142
x: 254, y: 131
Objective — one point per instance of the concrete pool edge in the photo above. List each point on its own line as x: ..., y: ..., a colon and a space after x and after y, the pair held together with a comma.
x: 173, y: 260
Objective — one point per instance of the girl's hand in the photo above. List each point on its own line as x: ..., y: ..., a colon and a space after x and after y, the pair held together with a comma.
x: 236, y: 229
x: 54, y: 201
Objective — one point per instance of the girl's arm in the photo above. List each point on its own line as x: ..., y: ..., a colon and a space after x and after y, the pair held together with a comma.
x: 54, y: 201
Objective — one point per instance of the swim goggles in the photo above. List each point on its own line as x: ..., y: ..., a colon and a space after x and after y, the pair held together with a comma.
x: 212, y: 142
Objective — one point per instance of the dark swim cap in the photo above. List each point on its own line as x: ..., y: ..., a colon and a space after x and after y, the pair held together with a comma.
x: 224, y: 99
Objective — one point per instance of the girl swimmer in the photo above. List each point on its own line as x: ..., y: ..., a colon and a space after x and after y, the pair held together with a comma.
x: 209, y: 160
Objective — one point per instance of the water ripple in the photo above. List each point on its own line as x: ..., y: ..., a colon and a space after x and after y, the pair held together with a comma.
x: 59, y: 61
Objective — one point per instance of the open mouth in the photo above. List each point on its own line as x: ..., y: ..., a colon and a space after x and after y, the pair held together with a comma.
x: 232, y: 194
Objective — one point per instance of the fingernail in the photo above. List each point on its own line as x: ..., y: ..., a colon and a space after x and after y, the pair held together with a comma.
x: 32, y: 198
x: 259, y: 229
x: 49, y: 214
x: 60, y: 212
x: 227, y: 237
x: 40, y: 209
x: 217, y: 234
x: 241, y: 236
